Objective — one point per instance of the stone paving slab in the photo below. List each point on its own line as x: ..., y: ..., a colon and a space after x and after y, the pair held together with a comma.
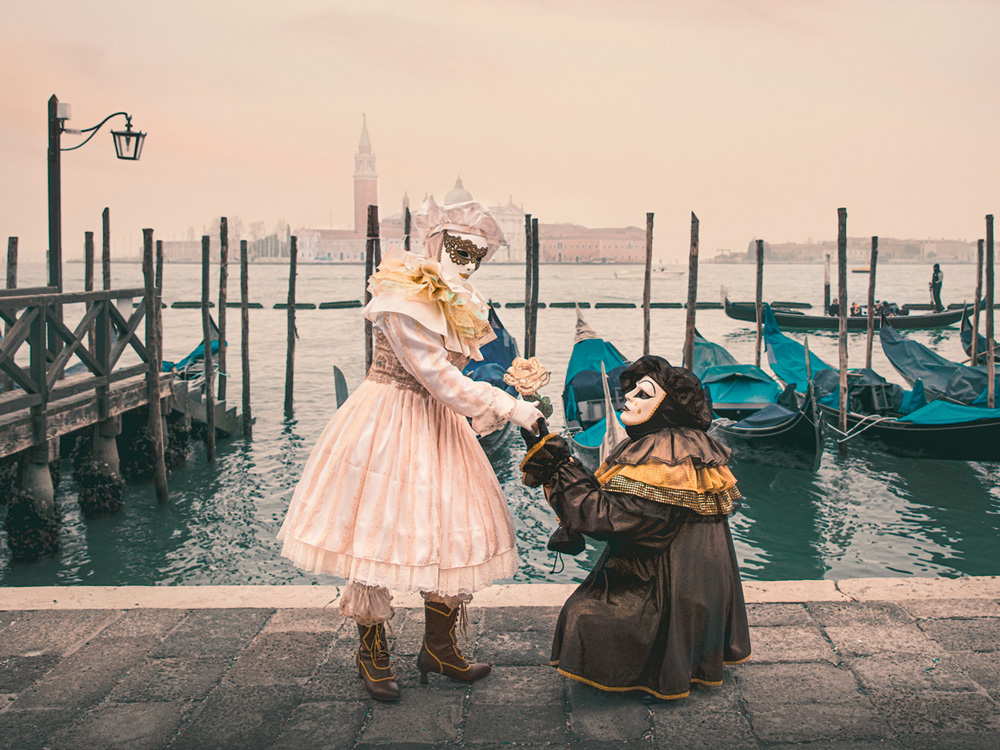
x: 905, y: 673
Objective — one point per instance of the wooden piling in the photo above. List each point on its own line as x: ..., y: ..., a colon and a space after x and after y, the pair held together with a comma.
x: 406, y: 229
x: 88, y: 278
x: 534, y: 285
x: 293, y: 255
x: 842, y: 314
x: 759, y: 302
x: 826, y: 286
x: 647, y: 285
x: 6, y: 383
x: 106, y: 248
x: 12, y: 262
x: 206, y: 334
x: 245, y: 336
x: 153, y: 369
x: 872, y: 266
x: 376, y: 236
x: 692, y: 302
x: 978, y: 303
x: 809, y: 366
x: 527, y: 285
x: 990, y: 353
x: 370, y: 266
x: 223, y: 284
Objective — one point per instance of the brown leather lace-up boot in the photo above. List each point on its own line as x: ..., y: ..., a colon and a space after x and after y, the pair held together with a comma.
x: 440, y: 652
x: 374, y: 665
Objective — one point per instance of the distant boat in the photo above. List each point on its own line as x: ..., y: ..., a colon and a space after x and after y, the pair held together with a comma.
x: 665, y: 272
x: 794, y: 320
x: 864, y: 269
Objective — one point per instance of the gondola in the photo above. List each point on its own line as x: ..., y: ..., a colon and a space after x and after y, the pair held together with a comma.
x: 886, y: 417
x: 941, y: 378
x: 584, y: 403
x: 757, y: 419
x: 798, y: 321
x: 966, y: 335
x: 497, y: 357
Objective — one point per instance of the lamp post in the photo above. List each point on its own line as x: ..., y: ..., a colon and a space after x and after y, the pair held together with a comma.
x: 128, y: 146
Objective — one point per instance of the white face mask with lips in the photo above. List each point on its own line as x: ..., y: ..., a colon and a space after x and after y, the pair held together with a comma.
x: 460, y: 253
x: 642, y: 402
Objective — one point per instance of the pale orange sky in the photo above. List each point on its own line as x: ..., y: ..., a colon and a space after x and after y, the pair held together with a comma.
x: 761, y: 116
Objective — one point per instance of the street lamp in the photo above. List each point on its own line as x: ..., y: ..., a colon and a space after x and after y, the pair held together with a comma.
x: 128, y: 146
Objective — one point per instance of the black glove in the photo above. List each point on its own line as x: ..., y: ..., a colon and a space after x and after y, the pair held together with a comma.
x: 531, y: 438
x: 543, y: 459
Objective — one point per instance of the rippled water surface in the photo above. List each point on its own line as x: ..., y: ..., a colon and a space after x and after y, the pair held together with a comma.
x: 862, y: 514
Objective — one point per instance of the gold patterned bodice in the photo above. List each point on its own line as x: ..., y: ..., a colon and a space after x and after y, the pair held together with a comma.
x: 386, y: 367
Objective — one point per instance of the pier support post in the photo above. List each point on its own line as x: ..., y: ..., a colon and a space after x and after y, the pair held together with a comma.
x: 528, y: 250
x: 759, y: 304
x: 842, y: 315
x: 647, y: 284
x: 975, y: 355
x: 206, y: 331
x: 245, y: 337
x: 293, y: 251
x: 223, y: 290
x: 153, y: 371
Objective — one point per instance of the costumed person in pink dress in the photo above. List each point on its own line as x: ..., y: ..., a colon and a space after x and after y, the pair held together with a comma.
x: 397, y: 494
x: 663, y: 607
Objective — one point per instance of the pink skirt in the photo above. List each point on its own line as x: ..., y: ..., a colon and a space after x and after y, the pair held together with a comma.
x: 398, y: 493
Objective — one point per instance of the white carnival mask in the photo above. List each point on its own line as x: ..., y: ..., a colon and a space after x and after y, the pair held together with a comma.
x: 460, y: 253
x: 642, y: 402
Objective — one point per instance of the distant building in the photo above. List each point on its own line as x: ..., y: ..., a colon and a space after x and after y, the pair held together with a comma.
x: 572, y: 243
x: 890, y: 250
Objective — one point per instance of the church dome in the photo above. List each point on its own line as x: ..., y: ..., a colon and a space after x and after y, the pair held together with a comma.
x: 457, y: 194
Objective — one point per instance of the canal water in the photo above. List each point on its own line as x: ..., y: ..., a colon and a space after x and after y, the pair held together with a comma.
x: 862, y: 514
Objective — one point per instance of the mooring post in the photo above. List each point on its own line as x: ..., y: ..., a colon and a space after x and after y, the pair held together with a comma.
x: 647, y: 285
x: 88, y: 278
x: 535, y: 253
x: 7, y: 383
x: 155, y: 423
x: 991, y: 368
x: 826, y: 286
x: 692, y: 301
x: 978, y: 303
x: 37, y: 477
x: 406, y: 229
x: 245, y: 337
x: 759, y: 302
x: 293, y: 254
x: 527, y: 285
x: 872, y: 266
x: 206, y: 335
x: 370, y: 263
x: 842, y: 315
x: 106, y: 248
x: 223, y: 283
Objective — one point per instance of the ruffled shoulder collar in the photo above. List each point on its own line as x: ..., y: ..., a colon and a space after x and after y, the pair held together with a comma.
x: 410, y: 284
x: 670, y: 446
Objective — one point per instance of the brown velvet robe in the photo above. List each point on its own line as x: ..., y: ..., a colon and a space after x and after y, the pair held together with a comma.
x: 662, y: 608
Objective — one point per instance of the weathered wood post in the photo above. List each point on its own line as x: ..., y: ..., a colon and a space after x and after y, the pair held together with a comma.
x: 647, y: 285
x: 223, y: 284
x: 370, y: 266
x: 826, y: 286
x: 106, y: 248
x: 991, y: 368
x: 206, y: 337
x: 7, y: 383
x: 245, y: 336
x: 153, y: 370
x: 842, y: 314
x: 293, y: 257
x: 88, y: 278
x: 872, y: 266
x: 759, y: 302
x: 978, y: 303
x: 809, y: 365
x: 406, y: 229
x: 527, y: 285
x: 534, y: 285
x: 692, y: 302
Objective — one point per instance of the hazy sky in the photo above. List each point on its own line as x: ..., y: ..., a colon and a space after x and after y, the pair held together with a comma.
x: 761, y: 116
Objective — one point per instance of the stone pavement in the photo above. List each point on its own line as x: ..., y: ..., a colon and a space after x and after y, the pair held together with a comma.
x: 890, y: 663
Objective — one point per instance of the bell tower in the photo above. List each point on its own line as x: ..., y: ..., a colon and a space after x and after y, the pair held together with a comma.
x: 365, y: 181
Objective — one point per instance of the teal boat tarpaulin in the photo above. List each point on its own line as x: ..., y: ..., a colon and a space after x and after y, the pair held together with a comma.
x: 586, y: 359
x: 943, y: 412
x: 786, y: 356
x: 740, y: 384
